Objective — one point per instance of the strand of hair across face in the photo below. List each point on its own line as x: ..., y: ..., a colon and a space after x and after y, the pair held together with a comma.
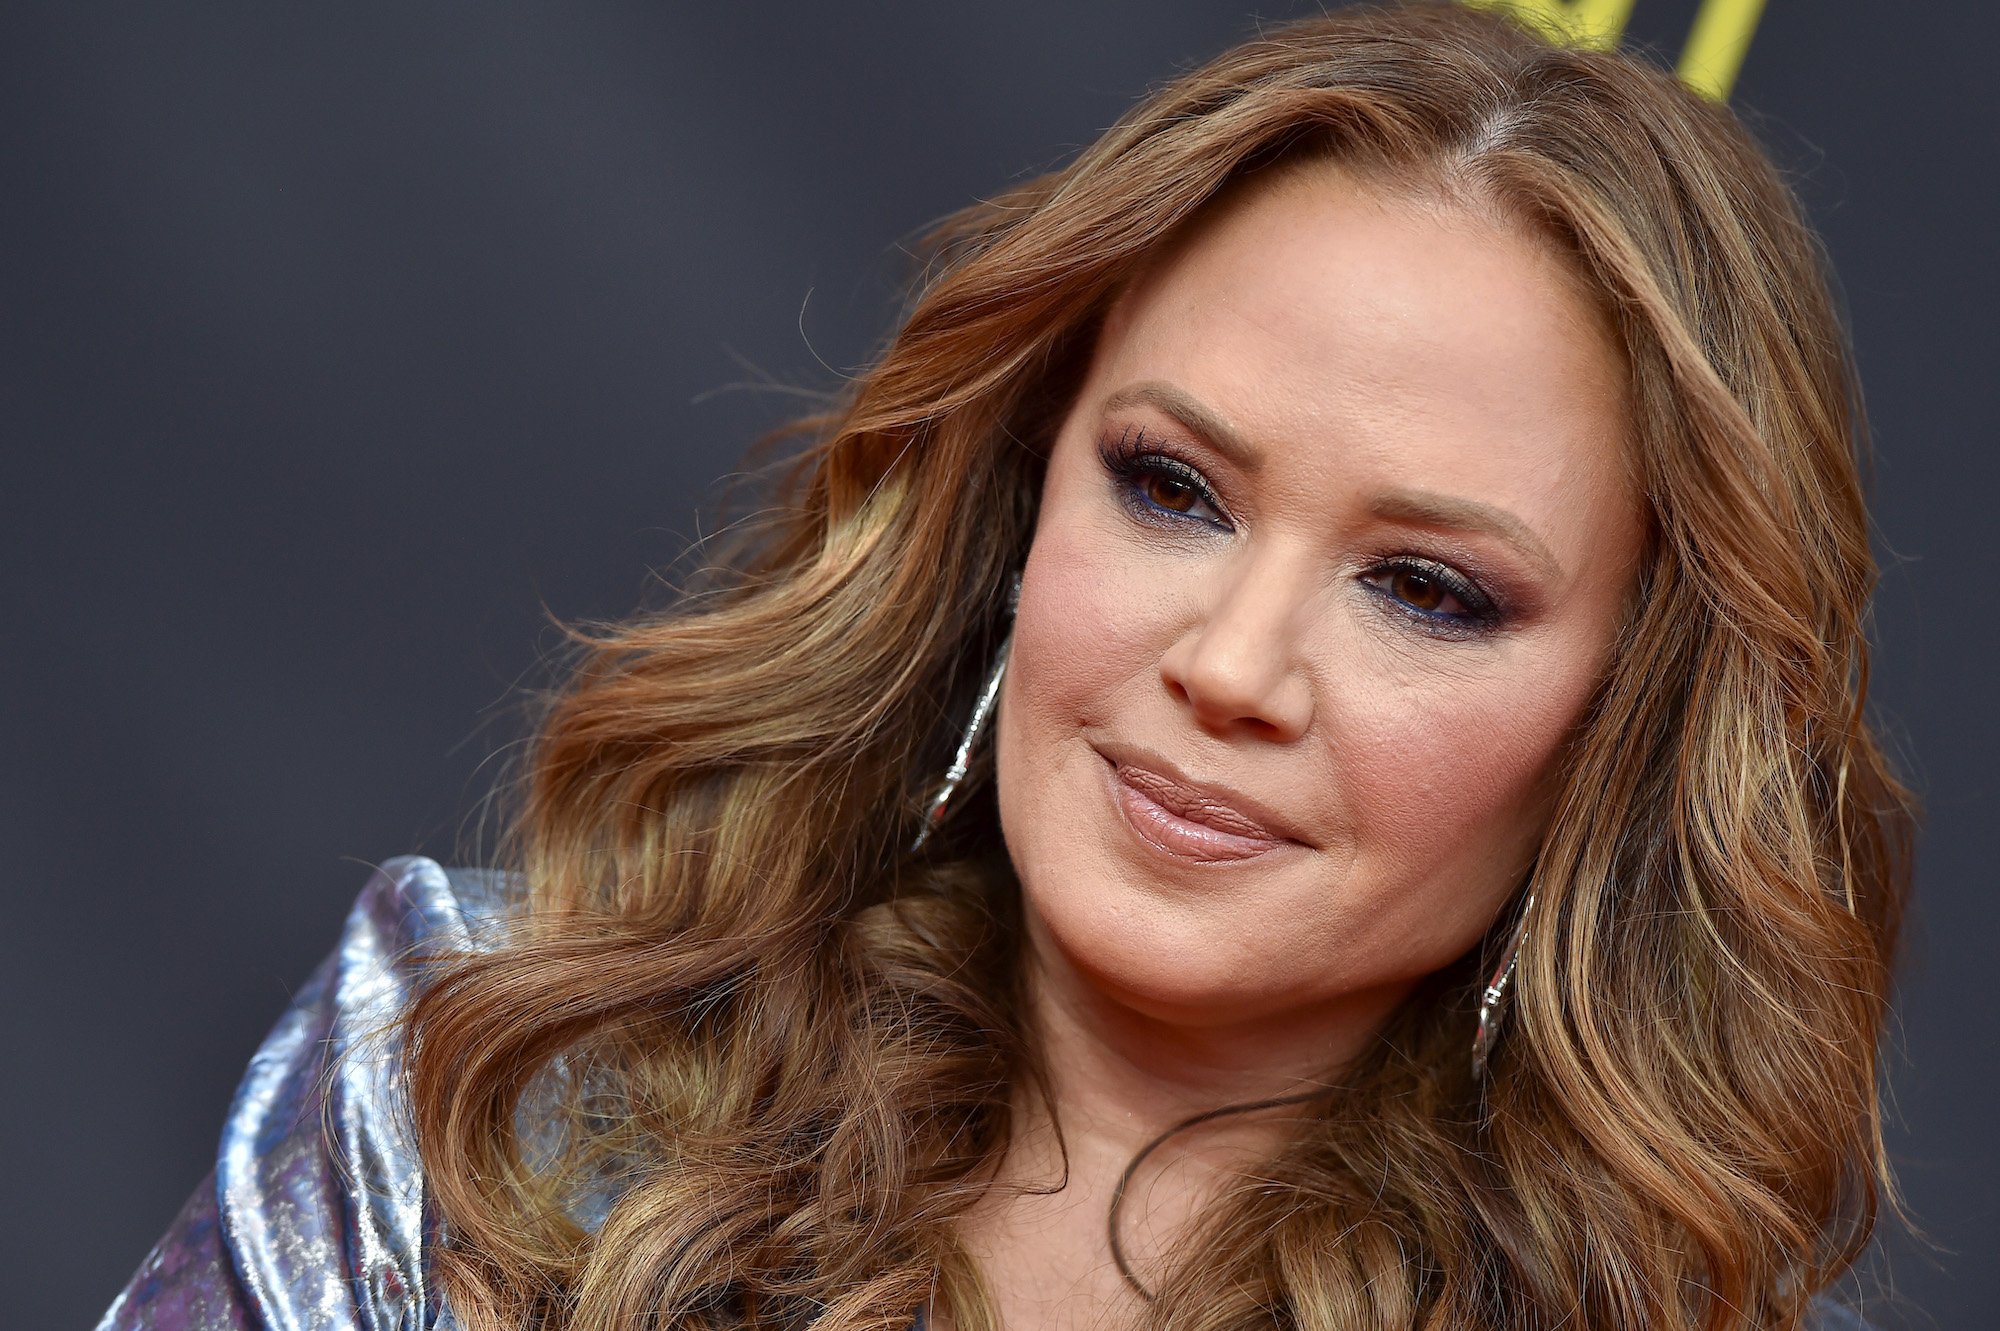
x: 1132, y: 1168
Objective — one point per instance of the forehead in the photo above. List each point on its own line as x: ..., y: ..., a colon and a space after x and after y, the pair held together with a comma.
x: 1340, y: 320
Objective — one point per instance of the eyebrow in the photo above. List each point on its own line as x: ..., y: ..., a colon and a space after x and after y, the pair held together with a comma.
x: 1192, y: 414
x: 1422, y: 508
x: 1427, y: 508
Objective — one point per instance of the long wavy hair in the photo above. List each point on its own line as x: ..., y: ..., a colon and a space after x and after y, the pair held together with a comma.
x: 744, y: 1057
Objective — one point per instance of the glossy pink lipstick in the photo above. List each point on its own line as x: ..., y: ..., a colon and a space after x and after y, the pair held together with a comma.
x: 1186, y: 820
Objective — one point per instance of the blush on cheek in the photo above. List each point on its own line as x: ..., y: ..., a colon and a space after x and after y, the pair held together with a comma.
x: 1088, y: 619
x: 1450, y: 803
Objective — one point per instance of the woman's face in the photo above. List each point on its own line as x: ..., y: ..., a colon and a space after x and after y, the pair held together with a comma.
x: 1333, y: 549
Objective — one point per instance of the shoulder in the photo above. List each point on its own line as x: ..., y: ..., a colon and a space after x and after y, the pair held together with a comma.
x: 412, y: 907
x: 317, y: 1215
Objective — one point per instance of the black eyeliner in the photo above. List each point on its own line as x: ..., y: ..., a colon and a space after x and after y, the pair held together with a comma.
x: 1133, y: 456
x: 1484, y: 613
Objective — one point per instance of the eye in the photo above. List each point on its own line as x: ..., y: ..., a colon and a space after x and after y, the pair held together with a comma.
x: 1164, y: 490
x: 1421, y: 591
x: 1437, y: 596
x: 1155, y: 486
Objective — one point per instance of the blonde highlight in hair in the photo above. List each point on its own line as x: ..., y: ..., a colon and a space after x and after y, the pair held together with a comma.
x: 785, y: 1049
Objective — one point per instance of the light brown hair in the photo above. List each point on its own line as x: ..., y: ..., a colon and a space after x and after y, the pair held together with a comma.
x: 784, y: 1047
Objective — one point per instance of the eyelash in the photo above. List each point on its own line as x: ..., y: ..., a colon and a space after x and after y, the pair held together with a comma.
x: 1132, y: 458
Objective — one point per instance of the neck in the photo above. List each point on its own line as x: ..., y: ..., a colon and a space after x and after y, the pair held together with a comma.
x: 1119, y: 1076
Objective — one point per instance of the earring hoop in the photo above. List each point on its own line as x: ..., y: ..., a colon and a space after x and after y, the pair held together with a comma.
x: 982, y: 711
x: 1493, y: 1003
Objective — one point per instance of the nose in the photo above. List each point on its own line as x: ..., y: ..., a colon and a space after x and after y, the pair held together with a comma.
x: 1237, y: 666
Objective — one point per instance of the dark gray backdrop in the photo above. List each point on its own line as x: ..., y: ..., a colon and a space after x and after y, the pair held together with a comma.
x: 338, y: 341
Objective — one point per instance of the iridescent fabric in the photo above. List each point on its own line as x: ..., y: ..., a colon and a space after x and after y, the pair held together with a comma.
x: 315, y: 1218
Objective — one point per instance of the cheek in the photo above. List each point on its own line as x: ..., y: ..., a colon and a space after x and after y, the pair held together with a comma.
x: 1446, y: 782
x: 1086, y: 641
x: 1088, y: 625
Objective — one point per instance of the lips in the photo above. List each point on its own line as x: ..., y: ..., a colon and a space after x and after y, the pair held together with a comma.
x: 1188, y: 820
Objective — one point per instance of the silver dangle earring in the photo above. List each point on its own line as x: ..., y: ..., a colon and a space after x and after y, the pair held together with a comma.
x: 982, y: 711
x: 1493, y: 1003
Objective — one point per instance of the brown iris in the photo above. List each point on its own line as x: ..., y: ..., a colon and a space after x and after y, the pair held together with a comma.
x: 1173, y: 495
x: 1418, y: 590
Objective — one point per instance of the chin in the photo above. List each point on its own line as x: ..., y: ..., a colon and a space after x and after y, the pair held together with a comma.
x: 1168, y: 960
